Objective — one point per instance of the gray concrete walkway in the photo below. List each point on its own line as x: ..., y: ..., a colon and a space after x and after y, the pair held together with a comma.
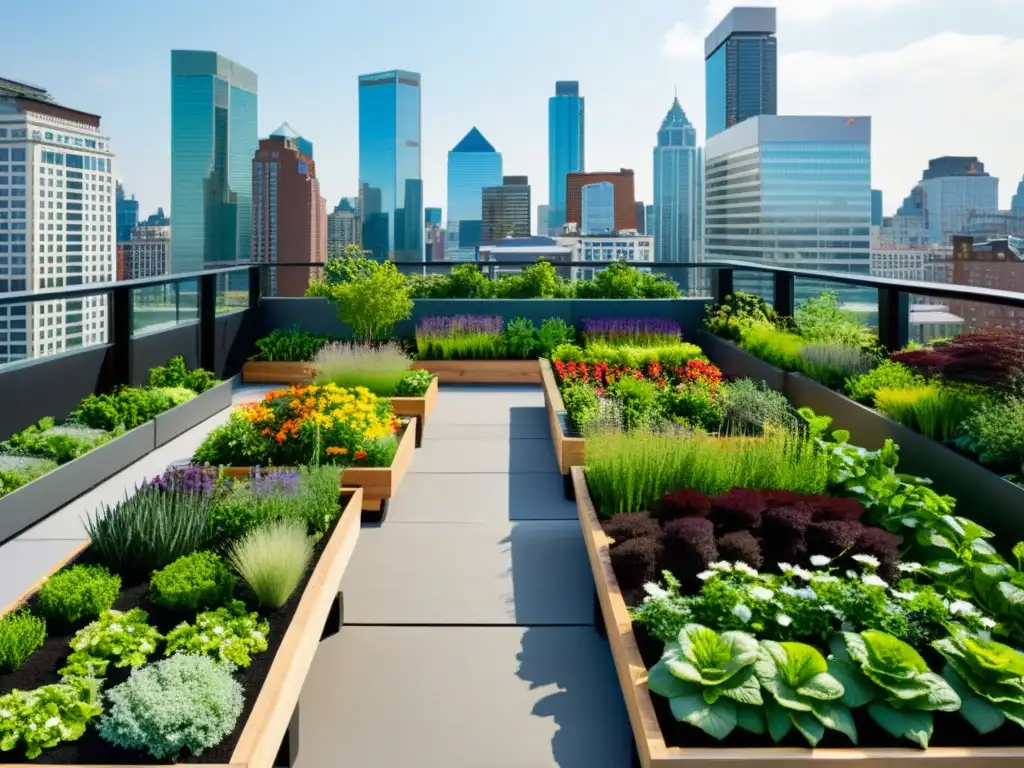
x: 469, y: 637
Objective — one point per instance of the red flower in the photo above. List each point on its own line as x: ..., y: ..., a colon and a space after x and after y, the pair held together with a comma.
x: 359, y: 455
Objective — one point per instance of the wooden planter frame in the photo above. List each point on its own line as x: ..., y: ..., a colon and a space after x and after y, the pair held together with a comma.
x: 378, y: 484
x: 482, y: 371
x: 269, y: 736
x: 570, y: 451
x: 651, y: 748
x: 418, y: 408
x: 263, y: 372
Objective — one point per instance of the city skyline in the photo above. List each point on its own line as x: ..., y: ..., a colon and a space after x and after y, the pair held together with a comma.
x: 813, y: 44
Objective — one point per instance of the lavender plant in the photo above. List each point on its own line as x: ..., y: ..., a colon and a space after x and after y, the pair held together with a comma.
x: 634, y: 332
x: 460, y: 337
x: 190, y: 479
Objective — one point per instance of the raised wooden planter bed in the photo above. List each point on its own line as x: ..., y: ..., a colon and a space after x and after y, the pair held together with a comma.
x: 417, y: 407
x: 654, y: 752
x: 262, y: 372
x: 269, y: 736
x: 378, y: 484
x: 482, y: 371
x: 37, y: 500
x: 569, y: 450
x: 736, y: 363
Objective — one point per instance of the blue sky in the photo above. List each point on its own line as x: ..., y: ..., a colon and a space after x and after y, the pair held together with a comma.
x: 937, y: 76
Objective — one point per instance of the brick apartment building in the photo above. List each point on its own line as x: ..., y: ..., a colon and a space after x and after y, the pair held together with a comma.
x: 625, y: 196
x: 995, y: 264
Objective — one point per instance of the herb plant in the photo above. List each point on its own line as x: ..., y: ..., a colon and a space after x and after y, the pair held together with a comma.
x: 176, y: 374
x: 227, y: 634
x: 129, y: 407
x: 272, y: 559
x: 778, y: 348
x: 59, y: 443
x: 632, y: 332
x: 886, y: 375
x: 16, y: 471
x: 831, y: 363
x: 43, y: 718
x: 553, y: 333
x: 192, y: 583
x: 122, y: 637
x: 521, y: 338
x: 995, y: 433
x: 414, y: 383
x: 78, y: 592
x: 184, y: 702
x: 462, y: 337
x: 21, y: 635
x: 749, y: 407
x: 288, y: 345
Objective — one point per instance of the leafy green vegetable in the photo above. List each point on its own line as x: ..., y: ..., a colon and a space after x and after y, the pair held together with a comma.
x: 709, y: 680
x: 226, y: 634
x: 803, y: 693
x: 988, y: 676
x: 193, y: 583
x: 78, y: 592
x: 892, y: 679
x: 43, y: 718
x: 123, y: 637
x: 21, y: 635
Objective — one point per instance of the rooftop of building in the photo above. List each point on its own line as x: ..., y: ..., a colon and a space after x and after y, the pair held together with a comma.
x: 740, y: 21
x: 474, y: 141
x: 764, y: 129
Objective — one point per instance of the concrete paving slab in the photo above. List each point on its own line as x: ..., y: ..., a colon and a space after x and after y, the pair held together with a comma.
x: 488, y: 406
x: 480, y: 498
x: 485, y: 455
x: 461, y: 573
x: 430, y: 697
x: 22, y: 563
x: 520, y: 430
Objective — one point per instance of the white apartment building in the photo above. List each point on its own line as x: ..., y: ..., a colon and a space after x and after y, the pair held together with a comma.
x: 342, y: 230
x: 147, y: 254
x: 57, y: 222
x: 636, y: 249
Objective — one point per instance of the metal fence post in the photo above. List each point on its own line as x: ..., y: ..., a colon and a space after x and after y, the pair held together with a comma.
x: 893, y: 318
x: 723, y: 279
x: 255, y: 286
x: 208, y: 322
x: 784, y: 285
x: 121, y: 334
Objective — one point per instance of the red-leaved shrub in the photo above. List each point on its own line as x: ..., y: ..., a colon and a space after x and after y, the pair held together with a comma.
x: 990, y: 357
x: 738, y: 510
x: 832, y: 537
x: 688, y: 547
x: 635, y: 562
x: 833, y: 508
x: 883, y: 545
x: 741, y: 546
x: 682, y: 503
x: 631, y: 525
x: 782, y: 498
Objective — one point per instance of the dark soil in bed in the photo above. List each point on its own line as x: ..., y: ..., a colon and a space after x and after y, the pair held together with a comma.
x: 41, y: 669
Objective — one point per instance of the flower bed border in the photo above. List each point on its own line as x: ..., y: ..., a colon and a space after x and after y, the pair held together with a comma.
x: 482, y: 371
x: 378, y: 484
x: 271, y: 727
x: 417, y: 407
x: 37, y: 500
x: 736, y: 363
x: 652, y: 750
x: 570, y: 451
x: 264, y: 372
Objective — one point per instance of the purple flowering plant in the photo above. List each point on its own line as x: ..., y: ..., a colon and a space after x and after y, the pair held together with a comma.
x: 632, y: 331
x: 189, y: 479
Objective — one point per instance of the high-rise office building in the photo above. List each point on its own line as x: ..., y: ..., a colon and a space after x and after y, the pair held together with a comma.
x: 158, y: 219
x: 641, y: 218
x: 213, y: 139
x: 876, y: 208
x: 805, y: 183
x: 473, y: 164
x: 597, y: 208
x: 1017, y: 201
x: 146, y: 254
x: 342, y: 228
x: 127, y: 214
x: 625, y: 197
x: 288, y: 216
x: 649, y: 221
x: 506, y: 210
x: 544, y: 221
x: 390, y: 174
x: 57, y: 221
x: 956, y: 191
x: 677, y: 194
x: 432, y: 217
x: 565, y: 147
x: 741, y: 68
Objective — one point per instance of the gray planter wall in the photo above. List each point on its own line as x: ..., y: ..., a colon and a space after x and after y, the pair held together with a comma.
x: 177, y: 421
x: 318, y: 315
x: 735, y: 363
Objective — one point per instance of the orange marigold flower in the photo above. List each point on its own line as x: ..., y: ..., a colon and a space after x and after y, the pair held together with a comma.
x: 280, y: 437
x: 335, y: 450
x: 359, y: 455
x: 267, y: 431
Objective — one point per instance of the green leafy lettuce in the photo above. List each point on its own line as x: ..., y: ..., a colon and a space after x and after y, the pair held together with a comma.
x: 989, y: 678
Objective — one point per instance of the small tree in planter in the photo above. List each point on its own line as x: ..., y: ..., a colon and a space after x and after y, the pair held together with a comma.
x: 374, y: 297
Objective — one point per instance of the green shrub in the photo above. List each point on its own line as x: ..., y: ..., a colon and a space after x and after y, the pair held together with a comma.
x: 16, y: 471
x: 995, y: 433
x: 668, y: 355
x: 184, y: 702
x: 227, y: 634
x: 739, y: 313
x: 123, y: 637
x: 619, y: 280
x: 822, y: 318
x: 639, y: 402
x: 567, y: 353
x: 176, y: 374
x: 778, y: 348
x: 47, y: 716
x: 150, y: 529
x: 521, y: 338
x: 21, y: 635
x: 887, y: 375
x: 748, y: 407
x: 192, y: 583
x: 937, y: 412
x: 78, y: 592
x: 831, y: 363
x: 235, y: 443
x: 272, y: 560
x: 553, y: 333
x: 693, y: 404
x: 378, y: 367
x: 129, y: 407
x: 61, y: 444
x: 289, y: 345
x: 414, y: 383
x: 580, y: 401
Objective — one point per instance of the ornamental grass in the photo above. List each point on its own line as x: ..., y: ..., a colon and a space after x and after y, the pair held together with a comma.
x: 379, y: 368
x: 462, y: 337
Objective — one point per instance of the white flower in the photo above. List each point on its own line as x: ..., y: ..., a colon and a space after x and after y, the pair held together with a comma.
x: 256, y: 635
x: 218, y: 630
x: 909, y: 567
x: 791, y: 591
x: 904, y: 595
x: 721, y: 565
x: 5, y: 713
x: 32, y: 726
x: 130, y: 630
x: 846, y: 627
x: 872, y: 580
x: 742, y: 613
x: 761, y: 593
x: 984, y: 635
x: 205, y: 638
x: 805, y: 593
x: 705, y: 575
x: 851, y: 574
x: 832, y: 609
x: 655, y: 591
x: 802, y: 573
x: 145, y: 647
x: 744, y: 568
x: 867, y: 560
x: 820, y: 561
x: 987, y: 622
x: 962, y: 606
x: 785, y: 567
x: 824, y: 578
x: 784, y: 620
x: 115, y: 627
x: 52, y: 722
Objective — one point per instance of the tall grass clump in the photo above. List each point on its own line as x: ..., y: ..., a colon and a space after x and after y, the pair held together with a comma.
x: 831, y: 362
x: 463, y: 337
x: 378, y: 367
x: 628, y: 472
x: 272, y: 560
x: 935, y: 411
x: 779, y: 348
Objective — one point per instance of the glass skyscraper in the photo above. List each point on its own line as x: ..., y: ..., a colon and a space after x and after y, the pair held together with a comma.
x: 598, y: 208
x: 213, y: 139
x: 565, y: 145
x: 791, y: 191
x: 876, y: 207
x: 741, y: 68
x: 677, y: 194
x: 473, y: 164
x: 126, y: 212
x: 390, y: 177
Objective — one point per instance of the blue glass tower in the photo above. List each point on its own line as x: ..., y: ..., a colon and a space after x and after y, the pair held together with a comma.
x: 677, y: 192
x: 741, y: 68
x: 565, y: 145
x: 432, y: 217
x: 213, y: 139
x: 473, y: 164
x: 390, y: 177
x: 126, y: 211
x: 876, y: 207
x: 1017, y: 201
x: 597, y: 208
